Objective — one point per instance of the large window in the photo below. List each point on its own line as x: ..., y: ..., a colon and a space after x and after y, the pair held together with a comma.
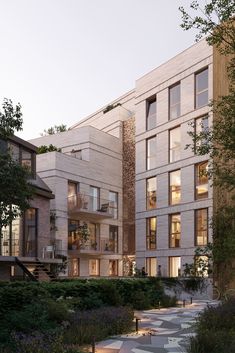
x: 151, y: 152
x: 74, y: 267
x: 151, y: 109
x: 74, y: 241
x: 113, y: 204
x: 73, y: 189
x: 151, y: 236
x: 201, y: 187
x: 23, y: 156
x: 201, y: 85
x: 175, y: 187
x: 94, y: 267
x: 30, y: 233
x: 174, y: 101
x: 113, y: 239
x: 94, y: 198
x: 174, y: 266
x: 151, y: 190
x: 175, y: 230
x: 151, y: 266
x: 10, y: 239
x: 201, y: 227
x: 175, y: 144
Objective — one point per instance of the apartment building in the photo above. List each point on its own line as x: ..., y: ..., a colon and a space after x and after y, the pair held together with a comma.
x: 174, y: 202
x: 25, y: 243
x: 93, y: 182
x: 125, y: 172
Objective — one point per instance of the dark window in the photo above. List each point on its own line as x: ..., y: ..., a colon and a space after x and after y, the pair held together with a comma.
x: 113, y: 239
x: 151, y: 109
x: 174, y: 101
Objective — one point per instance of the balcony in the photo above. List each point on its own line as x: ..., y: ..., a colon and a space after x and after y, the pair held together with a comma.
x: 100, y: 246
x: 90, y: 207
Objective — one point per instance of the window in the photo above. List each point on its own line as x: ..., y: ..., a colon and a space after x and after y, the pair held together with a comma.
x: 73, y: 189
x: 76, y: 154
x: 113, y: 239
x: 201, y: 227
x: 113, y: 267
x: 10, y: 239
x: 174, y: 101
x: 151, y: 152
x: 30, y: 232
x: 175, y: 187
x: 201, y: 85
x: 202, y: 266
x: 24, y: 157
x: 113, y: 204
x: 175, y: 144
x: 151, y: 186
x: 175, y: 266
x: 74, y: 242
x: 151, y: 108
x: 201, y: 187
x: 201, y: 128
x: 175, y: 230
x: 151, y: 266
x: 94, y: 267
x: 151, y: 243
x: 93, y: 240
x: 74, y: 267
x: 94, y: 198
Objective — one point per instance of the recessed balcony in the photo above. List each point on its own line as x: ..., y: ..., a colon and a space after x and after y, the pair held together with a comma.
x: 90, y: 207
x: 93, y: 247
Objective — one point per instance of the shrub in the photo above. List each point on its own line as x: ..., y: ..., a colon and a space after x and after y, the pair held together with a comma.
x: 98, y: 323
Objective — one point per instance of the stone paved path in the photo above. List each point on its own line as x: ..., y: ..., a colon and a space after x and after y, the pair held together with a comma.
x: 160, y: 331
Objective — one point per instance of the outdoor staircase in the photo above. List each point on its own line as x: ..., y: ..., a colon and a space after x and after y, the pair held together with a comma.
x: 40, y: 272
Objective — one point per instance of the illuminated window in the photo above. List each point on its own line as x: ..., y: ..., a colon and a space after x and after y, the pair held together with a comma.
x: 202, y: 266
x: 151, y: 266
x: 201, y: 85
x: 175, y: 266
x: 151, y: 186
x: 151, y: 152
x: 175, y: 144
x: 74, y: 267
x: 151, y: 108
x: 94, y: 267
x: 201, y: 187
x: 151, y: 235
x: 175, y: 230
x: 175, y: 187
x: 201, y: 226
x: 30, y: 236
x: 174, y: 101
x: 113, y: 267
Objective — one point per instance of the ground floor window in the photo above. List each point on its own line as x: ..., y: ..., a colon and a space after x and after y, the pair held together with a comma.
x: 113, y: 267
x: 74, y: 268
x: 175, y: 266
x: 10, y: 241
x: 94, y: 267
x: 30, y: 232
x: 151, y: 266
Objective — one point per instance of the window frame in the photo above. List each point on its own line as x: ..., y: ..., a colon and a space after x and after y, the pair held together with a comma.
x: 195, y: 226
x: 195, y: 181
x: 146, y: 186
x: 178, y: 83
x: 169, y: 188
x: 147, y: 150
x: 170, y: 233
x: 169, y: 143
x: 195, y: 87
x: 148, y: 235
x: 148, y: 101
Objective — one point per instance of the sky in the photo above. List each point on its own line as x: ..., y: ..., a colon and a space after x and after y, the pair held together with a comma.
x: 64, y: 59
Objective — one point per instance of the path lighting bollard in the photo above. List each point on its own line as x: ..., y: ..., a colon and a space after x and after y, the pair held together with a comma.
x: 137, y: 324
x: 184, y: 303
x: 93, y: 345
x: 159, y: 305
x: 191, y: 300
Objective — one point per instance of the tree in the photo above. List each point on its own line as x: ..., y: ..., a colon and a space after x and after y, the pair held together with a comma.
x: 54, y: 130
x: 15, y: 190
x: 44, y: 149
x: 216, y: 20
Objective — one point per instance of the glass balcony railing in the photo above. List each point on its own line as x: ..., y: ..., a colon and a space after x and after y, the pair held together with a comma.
x: 88, y: 203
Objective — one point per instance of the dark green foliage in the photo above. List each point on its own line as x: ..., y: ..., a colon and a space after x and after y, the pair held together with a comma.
x: 10, y: 119
x: 44, y: 149
x: 98, y: 323
x: 215, y: 330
